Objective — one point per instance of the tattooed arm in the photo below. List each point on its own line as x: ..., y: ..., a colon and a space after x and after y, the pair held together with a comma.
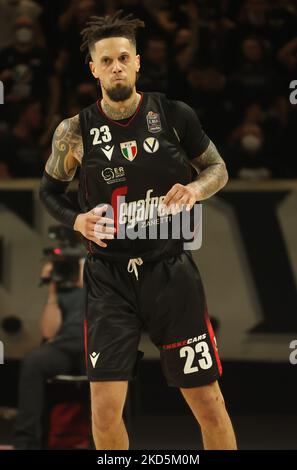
x: 212, y: 174
x: 211, y: 178
x: 67, y: 152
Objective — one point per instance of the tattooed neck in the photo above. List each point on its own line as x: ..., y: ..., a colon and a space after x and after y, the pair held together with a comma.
x: 121, y: 113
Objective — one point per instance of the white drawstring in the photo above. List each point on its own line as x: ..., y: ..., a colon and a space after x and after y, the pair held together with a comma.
x: 132, y: 266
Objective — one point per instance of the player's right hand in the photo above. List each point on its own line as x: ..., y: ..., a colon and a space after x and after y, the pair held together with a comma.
x: 94, y: 226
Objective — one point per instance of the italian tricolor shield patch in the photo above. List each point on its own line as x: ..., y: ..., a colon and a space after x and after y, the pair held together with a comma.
x: 129, y: 149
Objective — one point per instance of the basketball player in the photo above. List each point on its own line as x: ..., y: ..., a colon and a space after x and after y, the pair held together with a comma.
x: 140, y: 147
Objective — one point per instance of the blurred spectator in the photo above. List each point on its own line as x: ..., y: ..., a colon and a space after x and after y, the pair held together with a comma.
x: 154, y: 67
x: 26, y: 69
x: 6, y: 23
x: 158, y: 73
x: 70, y: 62
x: 60, y: 353
x: 186, y: 38
x: 21, y: 153
x: 48, y: 20
x: 253, y: 15
x: 140, y: 9
x: 84, y: 95
x: 282, y: 21
x: 161, y: 11
x: 248, y: 159
x: 28, y: 8
x: 251, y: 153
x: 223, y: 58
x: 270, y: 19
x: 255, y: 79
x: 287, y: 56
x: 10, y: 9
x: 77, y: 13
x: 209, y: 96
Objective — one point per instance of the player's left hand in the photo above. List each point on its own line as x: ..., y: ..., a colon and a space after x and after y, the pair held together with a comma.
x: 180, y: 197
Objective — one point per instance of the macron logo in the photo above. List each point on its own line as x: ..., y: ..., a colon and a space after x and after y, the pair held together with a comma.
x: 108, y: 151
x: 94, y: 358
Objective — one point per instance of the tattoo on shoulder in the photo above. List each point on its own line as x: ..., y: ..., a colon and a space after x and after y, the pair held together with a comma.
x: 67, y: 150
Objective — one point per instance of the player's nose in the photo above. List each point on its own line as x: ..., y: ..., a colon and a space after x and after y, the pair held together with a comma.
x: 116, y: 66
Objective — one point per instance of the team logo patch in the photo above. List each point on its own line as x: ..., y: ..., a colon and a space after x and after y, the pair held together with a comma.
x: 113, y: 175
x: 129, y: 149
x: 153, y: 122
x: 151, y: 145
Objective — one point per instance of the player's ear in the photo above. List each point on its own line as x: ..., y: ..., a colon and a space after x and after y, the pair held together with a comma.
x: 137, y: 58
x: 93, y: 69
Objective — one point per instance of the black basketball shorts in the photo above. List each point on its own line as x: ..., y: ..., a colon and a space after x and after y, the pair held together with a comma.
x: 167, y: 300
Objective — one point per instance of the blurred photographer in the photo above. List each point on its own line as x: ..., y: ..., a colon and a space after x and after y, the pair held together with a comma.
x: 61, y: 351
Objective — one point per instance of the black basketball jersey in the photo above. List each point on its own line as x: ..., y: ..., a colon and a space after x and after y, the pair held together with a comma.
x: 131, y: 166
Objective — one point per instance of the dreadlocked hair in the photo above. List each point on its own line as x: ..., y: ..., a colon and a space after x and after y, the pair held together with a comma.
x: 101, y: 27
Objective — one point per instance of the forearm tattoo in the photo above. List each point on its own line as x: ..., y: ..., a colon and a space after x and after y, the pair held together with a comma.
x: 67, y: 150
x: 212, y: 173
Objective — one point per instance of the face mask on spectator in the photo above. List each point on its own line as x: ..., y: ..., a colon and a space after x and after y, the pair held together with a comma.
x: 251, y: 143
x: 24, y: 35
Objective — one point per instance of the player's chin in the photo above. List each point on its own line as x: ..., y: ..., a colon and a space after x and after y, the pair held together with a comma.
x: 120, y: 91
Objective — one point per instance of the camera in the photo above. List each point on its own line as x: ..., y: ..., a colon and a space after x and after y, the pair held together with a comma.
x: 65, y: 256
